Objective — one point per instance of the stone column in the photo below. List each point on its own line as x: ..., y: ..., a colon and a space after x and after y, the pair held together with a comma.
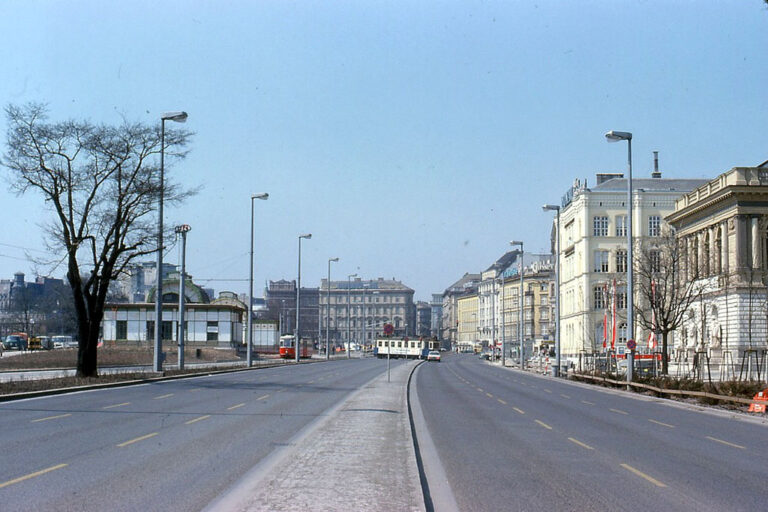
x: 724, y: 254
x: 701, y: 263
x: 740, y: 241
x: 713, y: 256
x: 756, y: 246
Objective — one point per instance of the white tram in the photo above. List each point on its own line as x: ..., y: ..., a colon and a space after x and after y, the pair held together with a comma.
x: 404, y: 347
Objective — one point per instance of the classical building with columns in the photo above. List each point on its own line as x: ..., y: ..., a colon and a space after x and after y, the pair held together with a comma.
x: 593, y: 253
x: 722, y: 226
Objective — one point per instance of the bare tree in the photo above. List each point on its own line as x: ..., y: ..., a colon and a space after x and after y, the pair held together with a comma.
x: 101, y: 184
x: 665, y: 290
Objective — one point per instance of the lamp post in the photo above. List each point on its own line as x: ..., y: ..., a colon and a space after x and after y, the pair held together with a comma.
x: 349, y: 321
x: 249, y: 351
x: 503, y: 331
x: 614, y: 136
x: 520, y: 329
x: 328, y: 311
x: 183, y: 229
x: 365, y: 316
x: 178, y: 117
x: 297, y: 336
x: 550, y: 207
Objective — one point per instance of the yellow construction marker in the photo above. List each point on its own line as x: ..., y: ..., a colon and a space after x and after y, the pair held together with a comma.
x: 201, y: 418
x: 142, y: 438
x: 726, y: 443
x: 51, y: 418
x: 643, y: 475
x: 543, y: 424
x: 32, y: 475
x: 116, y: 405
x: 583, y: 445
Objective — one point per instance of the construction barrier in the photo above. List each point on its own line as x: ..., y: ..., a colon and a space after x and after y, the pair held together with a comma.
x: 760, y: 401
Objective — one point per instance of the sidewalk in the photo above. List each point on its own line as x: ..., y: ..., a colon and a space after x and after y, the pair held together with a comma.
x: 359, y: 457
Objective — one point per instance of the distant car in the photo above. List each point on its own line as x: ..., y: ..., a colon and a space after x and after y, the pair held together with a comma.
x: 433, y: 355
x: 14, y: 342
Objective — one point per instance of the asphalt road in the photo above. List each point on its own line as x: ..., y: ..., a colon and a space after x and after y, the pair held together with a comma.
x: 508, y: 440
x: 172, y: 445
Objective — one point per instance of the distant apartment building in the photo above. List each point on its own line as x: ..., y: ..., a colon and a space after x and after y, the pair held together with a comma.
x: 722, y: 226
x: 34, y: 306
x: 280, y: 298
x: 423, y: 318
x: 467, y: 331
x: 449, y: 324
x: 593, y: 251
x: 358, y: 309
x: 139, y: 280
x: 436, y: 316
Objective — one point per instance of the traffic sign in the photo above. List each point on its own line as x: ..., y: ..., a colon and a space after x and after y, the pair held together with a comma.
x: 388, y: 329
x: 631, y: 344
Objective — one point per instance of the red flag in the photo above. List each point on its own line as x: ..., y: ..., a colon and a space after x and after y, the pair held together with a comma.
x: 605, y: 315
x: 613, y: 318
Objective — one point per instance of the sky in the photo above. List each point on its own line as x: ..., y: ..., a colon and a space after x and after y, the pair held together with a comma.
x: 413, y: 139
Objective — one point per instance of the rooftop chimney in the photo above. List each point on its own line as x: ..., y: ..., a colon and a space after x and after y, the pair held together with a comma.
x: 656, y: 173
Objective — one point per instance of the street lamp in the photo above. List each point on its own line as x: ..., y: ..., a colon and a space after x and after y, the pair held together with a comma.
x: 178, y: 117
x: 551, y: 207
x: 297, y: 336
x: 249, y: 351
x: 328, y: 311
x: 520, y: 329
x: 349, y: 331
x: 182, y: 229
x: 614, y: 136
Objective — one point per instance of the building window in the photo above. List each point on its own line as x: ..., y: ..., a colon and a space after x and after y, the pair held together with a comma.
x: 598, y: 294
x: 621, y: 225
x: 212, y: 331
x: 654, y: 225
x: 623, y: 333
x: 122, y: 330
x: 621, y: 297
x: 654, y: 257
x: 600, y: 226
x: 621, y: 260
x: 601, y: 261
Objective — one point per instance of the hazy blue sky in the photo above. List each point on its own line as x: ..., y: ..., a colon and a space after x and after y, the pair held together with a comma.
x: 412, y: 139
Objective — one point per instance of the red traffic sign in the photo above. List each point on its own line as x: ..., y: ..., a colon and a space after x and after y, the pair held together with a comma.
x: 388, y: 329
x: 631, y: 344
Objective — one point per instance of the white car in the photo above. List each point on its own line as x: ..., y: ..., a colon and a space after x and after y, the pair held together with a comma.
x: 433, y: 355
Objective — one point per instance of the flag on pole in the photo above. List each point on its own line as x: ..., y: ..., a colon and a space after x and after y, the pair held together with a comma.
x: 613, y: 317
x: 605, y: 315
x: 652, y: 338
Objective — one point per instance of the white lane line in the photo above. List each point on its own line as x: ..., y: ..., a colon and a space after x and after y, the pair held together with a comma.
x: 643, y: 475
x: 51, y: 418
x: 726, y: 443
x: 583, y: 445
x: 661, y: 423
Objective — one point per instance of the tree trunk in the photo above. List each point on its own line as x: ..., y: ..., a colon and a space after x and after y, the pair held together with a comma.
x: 664, y: 354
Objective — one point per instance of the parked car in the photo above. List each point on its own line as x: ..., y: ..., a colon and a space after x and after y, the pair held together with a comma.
x: 433, y: 355
x: 14, y: 342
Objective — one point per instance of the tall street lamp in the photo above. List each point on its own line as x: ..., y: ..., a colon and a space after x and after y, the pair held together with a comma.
x: 178, y: 117
x: 349, y: 321
x: 183, y: 229
x: 550, y: 207
x: 328, y: 311
x: 249, y: 351
x: 520, y: 329
x: 614, y: 136
x: 297, y: 336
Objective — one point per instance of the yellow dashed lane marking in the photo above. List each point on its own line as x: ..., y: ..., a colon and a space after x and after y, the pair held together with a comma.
x: 643, y: 475
x: 32, y: 475
x: 583, y: 445
x: 489, y: 395
x: 564, y: 396
x: 136, y: 440
x: 201, y: 418
x: 543, y: 424
x: 235, y: 407
x: 662, y: 423
x: 588, y: 403
x: 262, y: 397
x: 117, y: 405
x: 163, y: 396
x: 501, y: 401
x: 726, y: 443
x: 51, y: 418
x: 547, y: 391
x: 519, y: 410
x: 619, y: 411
